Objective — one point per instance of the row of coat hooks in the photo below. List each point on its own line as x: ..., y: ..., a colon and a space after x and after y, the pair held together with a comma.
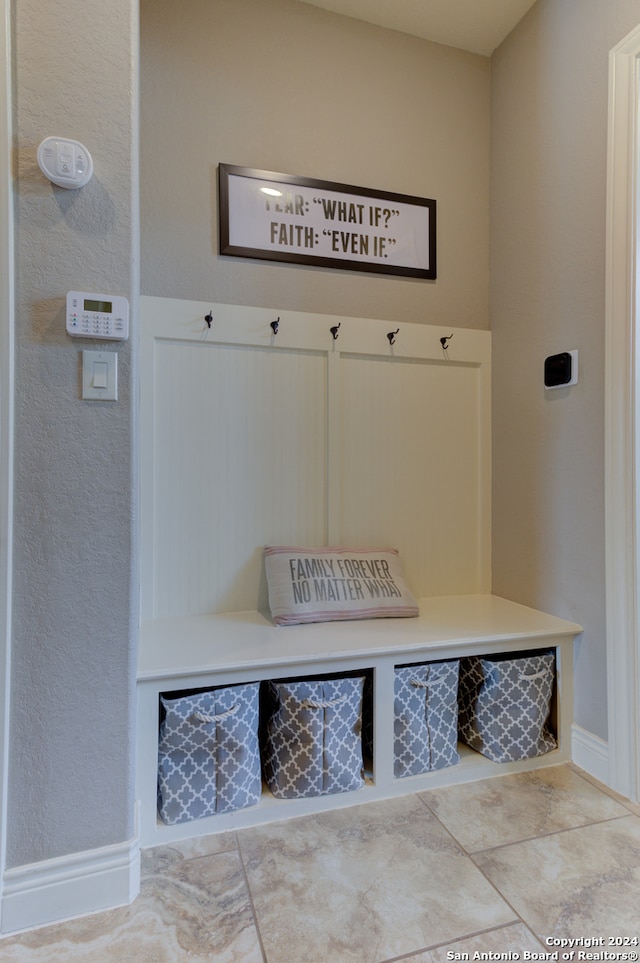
x: 335, y: 329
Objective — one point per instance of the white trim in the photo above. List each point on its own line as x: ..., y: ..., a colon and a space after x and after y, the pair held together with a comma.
x: 6, y: 407
x: 590, y: 753
x: 70, y: 886
x: 621, y: 424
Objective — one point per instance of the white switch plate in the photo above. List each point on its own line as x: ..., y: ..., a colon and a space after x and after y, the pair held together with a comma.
x: 100, y: 375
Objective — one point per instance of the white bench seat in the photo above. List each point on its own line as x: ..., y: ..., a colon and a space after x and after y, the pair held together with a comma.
x: 209, y: 650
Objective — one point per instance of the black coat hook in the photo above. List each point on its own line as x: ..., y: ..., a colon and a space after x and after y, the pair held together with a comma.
x: 334, y: 331
x: 209, y: 318
x: 392, y: 336
x: 443, y: 342
x: 275, y: 325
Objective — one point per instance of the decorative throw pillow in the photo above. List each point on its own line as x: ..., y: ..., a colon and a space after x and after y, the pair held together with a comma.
x: 332, y: 584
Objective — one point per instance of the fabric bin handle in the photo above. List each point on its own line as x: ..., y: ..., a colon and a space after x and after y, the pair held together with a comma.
x: 534, y: 675
x: 424, y: 684
x: 201, y: 717
x: 317, y: 704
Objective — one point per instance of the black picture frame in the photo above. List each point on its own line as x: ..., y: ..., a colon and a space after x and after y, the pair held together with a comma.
x: 325, y: 223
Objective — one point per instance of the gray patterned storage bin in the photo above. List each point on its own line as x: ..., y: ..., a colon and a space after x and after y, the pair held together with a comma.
x: 504, y: 705
x: 425, y: 717
x: 208, y: 756
x: 313, y: 743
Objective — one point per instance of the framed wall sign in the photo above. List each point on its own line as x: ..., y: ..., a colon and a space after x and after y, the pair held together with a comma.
x: 280, y: 217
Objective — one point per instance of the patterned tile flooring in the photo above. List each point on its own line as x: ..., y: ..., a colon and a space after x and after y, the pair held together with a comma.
x: 505, y: 868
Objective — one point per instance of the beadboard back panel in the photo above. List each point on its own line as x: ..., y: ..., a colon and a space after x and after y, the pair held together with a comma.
x: 411, y: 471
x: 240, y: 461
x: 252, y: 437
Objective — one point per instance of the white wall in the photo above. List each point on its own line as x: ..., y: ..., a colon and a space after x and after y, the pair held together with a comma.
x: 284, y: 86
x: 548, y: 183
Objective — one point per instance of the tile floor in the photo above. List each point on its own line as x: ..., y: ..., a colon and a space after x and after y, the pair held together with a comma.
x: 502, y: 866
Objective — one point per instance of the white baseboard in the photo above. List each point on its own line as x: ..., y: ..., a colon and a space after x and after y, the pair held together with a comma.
x: 70, y: 886
x: 591, y: 753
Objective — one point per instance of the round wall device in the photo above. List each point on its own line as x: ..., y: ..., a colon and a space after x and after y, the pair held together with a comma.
x: 65, y: 162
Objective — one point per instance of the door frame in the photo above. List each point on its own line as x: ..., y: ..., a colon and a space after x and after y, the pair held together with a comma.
x: 622, y: 421
x: 7, y: 302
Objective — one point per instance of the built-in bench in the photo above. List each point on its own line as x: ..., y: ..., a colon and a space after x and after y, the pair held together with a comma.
x: 213, y: 650
x: 257, y: 434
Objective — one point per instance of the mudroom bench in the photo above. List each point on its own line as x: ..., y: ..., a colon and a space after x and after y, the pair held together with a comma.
x: 194, y: 652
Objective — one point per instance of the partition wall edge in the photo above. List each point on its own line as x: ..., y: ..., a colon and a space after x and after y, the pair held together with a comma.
x: 622, y: 370
x: 6, y: 403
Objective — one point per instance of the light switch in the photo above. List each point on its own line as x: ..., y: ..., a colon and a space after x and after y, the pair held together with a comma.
x: 100, y: 375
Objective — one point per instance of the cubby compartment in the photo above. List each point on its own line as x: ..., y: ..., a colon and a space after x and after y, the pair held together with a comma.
x: 208, y: 752
x: 312, y: 744
x: 505, y: 704
x: 425, y: 717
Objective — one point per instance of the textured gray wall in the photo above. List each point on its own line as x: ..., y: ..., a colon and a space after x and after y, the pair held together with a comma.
x: 75, y: 569
x: 548, y: 190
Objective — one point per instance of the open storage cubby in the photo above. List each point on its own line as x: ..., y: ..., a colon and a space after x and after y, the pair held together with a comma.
x: 251, y: 437
x: 190, y: 653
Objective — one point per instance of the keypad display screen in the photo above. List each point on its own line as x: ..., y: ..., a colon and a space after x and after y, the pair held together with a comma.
x: 104, y: 307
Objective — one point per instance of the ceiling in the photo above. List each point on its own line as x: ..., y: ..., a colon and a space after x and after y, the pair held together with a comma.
x: 475, y: 25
